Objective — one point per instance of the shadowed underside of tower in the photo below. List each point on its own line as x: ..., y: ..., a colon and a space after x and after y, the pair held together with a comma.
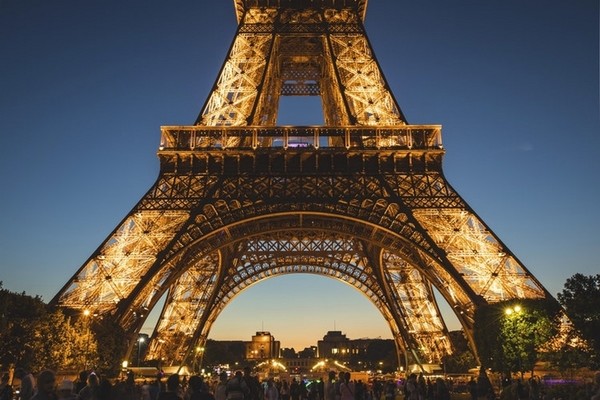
x: 361, y: 199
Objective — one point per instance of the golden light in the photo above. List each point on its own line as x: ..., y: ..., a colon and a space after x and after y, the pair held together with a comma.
x: 517, y: 308
x: 512, y: 310
x: 86, y: 313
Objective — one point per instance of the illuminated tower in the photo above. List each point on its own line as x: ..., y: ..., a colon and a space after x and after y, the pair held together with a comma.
x: 361, y: 199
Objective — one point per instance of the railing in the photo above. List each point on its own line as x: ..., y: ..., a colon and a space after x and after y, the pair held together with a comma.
x: 204, y: 138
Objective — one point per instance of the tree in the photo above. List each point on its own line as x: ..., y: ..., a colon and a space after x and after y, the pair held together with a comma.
x: 223, y: 352
x: 112, y: 345
x: 523, y: 332
x: 36, y: 336
x: 511, y: 341
x: 381, y: 350
x: 19, y: 314
x: 581, y: 300
x: 462, y: 359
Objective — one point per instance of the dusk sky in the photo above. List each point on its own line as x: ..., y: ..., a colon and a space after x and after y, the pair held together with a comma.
x: 86, y: 85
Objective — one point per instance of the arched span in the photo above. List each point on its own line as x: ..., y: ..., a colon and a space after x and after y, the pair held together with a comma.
x: 261, y: 247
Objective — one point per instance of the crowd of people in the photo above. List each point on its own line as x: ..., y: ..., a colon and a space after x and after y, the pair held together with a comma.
x: 242, y: 385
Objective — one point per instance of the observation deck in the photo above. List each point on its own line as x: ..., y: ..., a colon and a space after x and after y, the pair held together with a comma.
x: 308, y: 149
x: 242, y: 5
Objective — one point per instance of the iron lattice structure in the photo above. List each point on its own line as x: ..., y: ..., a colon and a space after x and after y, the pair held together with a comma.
x: 361, y: 199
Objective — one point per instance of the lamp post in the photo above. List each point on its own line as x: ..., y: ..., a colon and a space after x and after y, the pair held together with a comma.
x: 198, y: 359
x: 86, y: 314
x: 140, y: 341
x: 511, y: 314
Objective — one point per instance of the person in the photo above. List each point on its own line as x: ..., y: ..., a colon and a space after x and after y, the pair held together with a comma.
x: 346, y: 388
x: 411, y: 387
x: 105, y: 390
x: 81, y: 382
x: 254, y: 388
x: 295, y: 390
x: 534, y: 388
x: 441, y: 389
x: 484, y: 386
x: 46, y: 386
x: 472, y: 387
x: 237, y: 388
x: 90, y: 390
x: 596, y: 395
x: 377, y: 389
x: 271, y: 392
x: 173, y: 387
x: 330, y: 386
x: 221, y: 388
x: 359, y: 390
x: 125, y: 389
x: 6, y: 391
x: 66, y: 390
x: 421, y: 387
x: 198, y: 390
x: 27, y: 383
x: 389, y: 390
x: 284, y: 392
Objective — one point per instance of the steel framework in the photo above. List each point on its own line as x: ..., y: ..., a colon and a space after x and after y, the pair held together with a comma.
x: 362, y: 199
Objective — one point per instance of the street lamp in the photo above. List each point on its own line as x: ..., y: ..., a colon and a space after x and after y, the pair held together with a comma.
x: 513, y: 310
x: 199, y: 355
x: 140, y: 341
x: 86, y: 314
x: 512, y: 315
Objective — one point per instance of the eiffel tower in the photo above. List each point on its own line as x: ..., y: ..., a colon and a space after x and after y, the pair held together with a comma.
x: 361, y: 199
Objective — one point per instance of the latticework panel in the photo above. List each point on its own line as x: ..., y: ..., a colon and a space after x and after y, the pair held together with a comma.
x: 486, y: 265
x: 242, y: 198
x: 187, y: 300
x: 115, y: 269
x: 232, y: 100
x: 414, y: 296
x: 365, y: 90
x: 424, y: 190
x: 177, y: 192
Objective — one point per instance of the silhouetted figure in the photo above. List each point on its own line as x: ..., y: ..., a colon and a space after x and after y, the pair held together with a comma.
x: 27, y: 383
x: 46, y: 386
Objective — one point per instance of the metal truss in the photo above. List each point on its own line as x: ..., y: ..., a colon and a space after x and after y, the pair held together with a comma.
x: 486, y: 265
x: 238, y: 200
x: 280, y: 51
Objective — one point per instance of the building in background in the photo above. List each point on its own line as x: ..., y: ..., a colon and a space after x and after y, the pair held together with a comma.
x: 263, y: 346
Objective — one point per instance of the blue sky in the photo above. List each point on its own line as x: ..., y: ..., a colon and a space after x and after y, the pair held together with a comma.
x: 85, y: 86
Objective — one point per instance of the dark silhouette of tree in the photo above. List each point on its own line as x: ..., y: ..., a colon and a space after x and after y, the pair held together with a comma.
x: 112, y: 345
x: 462, y: 359
x: 19, y: 314
x: 381, y: 351
x: 223, y: 352
x: 581, y: 300
x: 36, y: 336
